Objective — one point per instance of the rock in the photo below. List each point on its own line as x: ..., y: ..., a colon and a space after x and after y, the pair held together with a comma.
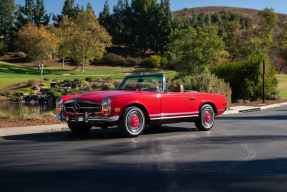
x: 88, y: 88
x: 36, y: 88
x: 20, y: 54
x: 25, y: 94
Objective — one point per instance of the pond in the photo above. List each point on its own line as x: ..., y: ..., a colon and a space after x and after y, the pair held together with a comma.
x: 24, y: 110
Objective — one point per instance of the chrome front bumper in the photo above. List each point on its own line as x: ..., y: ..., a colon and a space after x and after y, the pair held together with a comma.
x: 90, y: 119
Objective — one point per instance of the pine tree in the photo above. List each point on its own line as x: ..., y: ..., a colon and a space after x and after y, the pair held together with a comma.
x: 7, y: 8
x: 39, y: 15
x: 68, y: 8
x: 194, y: 21
x: 201, y: 21
x: 207, y: 20
x: 89, y: 6
x: 105, y: 17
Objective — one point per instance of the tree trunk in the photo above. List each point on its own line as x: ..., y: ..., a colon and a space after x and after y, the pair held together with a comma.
x: 82, y: 68
x: 63, y: 62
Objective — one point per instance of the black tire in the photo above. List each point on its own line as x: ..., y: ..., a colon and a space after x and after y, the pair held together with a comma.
x: 79, y: 128
x: 132, y: 122
x: 156, y: 126
x: 205, y: 120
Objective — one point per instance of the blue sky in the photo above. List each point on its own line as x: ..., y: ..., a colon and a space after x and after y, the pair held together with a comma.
x: 280, y: 6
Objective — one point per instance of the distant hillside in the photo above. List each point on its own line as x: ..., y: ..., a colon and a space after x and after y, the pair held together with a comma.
x: 252, y: 13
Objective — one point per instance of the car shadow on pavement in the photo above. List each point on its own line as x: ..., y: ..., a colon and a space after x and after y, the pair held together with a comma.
x: 94, y: 134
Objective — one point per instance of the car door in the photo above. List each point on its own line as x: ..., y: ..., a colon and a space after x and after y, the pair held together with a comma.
x: 177, y: 105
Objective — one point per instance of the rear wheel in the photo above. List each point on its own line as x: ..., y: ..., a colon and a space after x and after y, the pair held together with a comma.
x: 132, y: 122
x: 205, y: 120
x: 79, y: 128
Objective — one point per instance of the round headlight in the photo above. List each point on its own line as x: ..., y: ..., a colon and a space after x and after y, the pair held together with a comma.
x: 59, y: 102
x: 106, y: 106
x: 106, y: 103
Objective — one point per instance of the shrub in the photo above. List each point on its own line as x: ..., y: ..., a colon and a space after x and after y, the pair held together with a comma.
x: 109, y: 80
x: 5, y: 115
x: 206, y: 83
x: 47, y: 84
x: 163, y: 61
x: 76, y: 80
x: 110, y: 58
x: 245, y: 79
x: 95, y: 85
x: 108, y: 86
x: 46, y: 79
x: 56, y: 87
x: 25, y: 90
x: 31, y: 82
x: 84, y: 82
x: 5, y: 93
x: 133, y: 61
x: 55, y: 80
x: 67, y: 80
x: 3, y: 48
x: 56, y: 94
x: 121, y: 61
x: 117, y: 83
x: 88, y: 79
x: 154, y: 61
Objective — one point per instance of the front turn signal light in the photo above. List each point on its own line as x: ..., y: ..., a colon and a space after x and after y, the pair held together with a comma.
x: 106, y: 111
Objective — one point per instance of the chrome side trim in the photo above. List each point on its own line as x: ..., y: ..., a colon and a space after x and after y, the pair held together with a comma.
x: 173, y: 114
x: 179, y: 117
x: 223, y: 109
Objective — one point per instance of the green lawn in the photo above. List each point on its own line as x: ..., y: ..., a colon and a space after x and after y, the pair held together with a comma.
x: 11, y: 73
x: 282, y: 85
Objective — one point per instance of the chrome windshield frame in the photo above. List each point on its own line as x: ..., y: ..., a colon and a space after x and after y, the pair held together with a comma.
x: 143, y: 75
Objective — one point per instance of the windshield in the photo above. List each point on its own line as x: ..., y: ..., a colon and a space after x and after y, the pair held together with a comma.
x: 144, y: 83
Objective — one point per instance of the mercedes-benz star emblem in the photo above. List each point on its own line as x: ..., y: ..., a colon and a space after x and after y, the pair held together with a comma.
x: 77, y: 107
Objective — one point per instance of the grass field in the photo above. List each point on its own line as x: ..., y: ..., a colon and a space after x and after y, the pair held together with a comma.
x: 282, y: 85
x: 11, y: 73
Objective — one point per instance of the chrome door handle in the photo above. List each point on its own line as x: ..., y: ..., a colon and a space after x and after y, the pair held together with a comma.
x: 192, y: 98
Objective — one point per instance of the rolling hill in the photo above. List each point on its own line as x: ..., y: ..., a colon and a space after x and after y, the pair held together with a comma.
x: 252, y: 13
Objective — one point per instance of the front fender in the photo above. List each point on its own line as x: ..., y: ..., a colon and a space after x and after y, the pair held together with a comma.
x: 136, y: 103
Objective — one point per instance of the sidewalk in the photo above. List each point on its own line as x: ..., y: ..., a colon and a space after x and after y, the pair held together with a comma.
x: 64, y: 127
x: 245, y: 109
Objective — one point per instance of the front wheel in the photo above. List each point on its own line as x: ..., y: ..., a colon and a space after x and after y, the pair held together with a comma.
x: 79, y: 128
x: 205, y: 120
x: 132, y: 122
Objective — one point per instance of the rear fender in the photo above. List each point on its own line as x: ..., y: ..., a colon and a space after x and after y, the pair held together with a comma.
x: 208, y: 102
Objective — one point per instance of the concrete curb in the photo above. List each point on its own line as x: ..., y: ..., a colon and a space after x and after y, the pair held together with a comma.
x: 32, y: 129
x: 244, y: 109
x: 61, y: 127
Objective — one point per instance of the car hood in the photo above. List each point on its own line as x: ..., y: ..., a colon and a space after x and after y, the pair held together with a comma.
x: 98, y: 96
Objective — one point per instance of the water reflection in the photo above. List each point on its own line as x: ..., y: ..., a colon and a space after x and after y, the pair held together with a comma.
x: 15, y: 108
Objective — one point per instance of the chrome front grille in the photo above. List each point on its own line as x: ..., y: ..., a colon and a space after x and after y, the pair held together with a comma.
x: 82, y: 106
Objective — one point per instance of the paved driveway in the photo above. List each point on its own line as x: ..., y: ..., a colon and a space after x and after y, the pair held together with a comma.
x: 242, y: 152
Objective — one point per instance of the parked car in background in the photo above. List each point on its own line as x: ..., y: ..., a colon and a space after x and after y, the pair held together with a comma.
x: 140, y: 100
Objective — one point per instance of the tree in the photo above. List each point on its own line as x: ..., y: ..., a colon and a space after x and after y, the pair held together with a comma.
x: 194, y: 21
x: 38, y: 43
x: 105, y: 17
x: 282, y: 42
x: 89, y: 6
x: 87, y: 38
x: 7, y: 8
x: 39, y: 13
x: 232, y: 39
x: 184, y: 11
x: 267, y: 22
x: 195, y: 49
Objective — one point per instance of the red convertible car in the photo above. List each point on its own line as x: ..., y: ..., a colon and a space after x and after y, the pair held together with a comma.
x: 138, y: 101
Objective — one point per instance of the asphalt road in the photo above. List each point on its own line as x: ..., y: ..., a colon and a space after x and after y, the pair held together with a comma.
x: 242, y: 152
